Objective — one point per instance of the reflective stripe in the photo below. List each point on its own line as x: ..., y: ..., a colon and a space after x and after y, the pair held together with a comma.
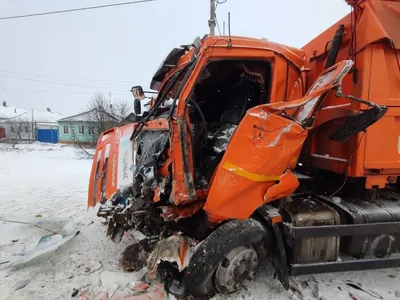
x: 248, y: 175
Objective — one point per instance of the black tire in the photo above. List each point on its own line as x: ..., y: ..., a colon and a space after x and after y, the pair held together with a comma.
x: 198, y: 279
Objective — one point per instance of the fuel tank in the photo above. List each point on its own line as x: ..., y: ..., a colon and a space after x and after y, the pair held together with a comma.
x: 357, y: 211
x: 312, y: 212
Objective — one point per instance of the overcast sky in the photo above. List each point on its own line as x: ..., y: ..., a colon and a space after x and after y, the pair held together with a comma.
x: 60, y: 61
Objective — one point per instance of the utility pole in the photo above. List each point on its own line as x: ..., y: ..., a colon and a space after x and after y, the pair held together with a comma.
x: 212, y: 22
x: 33, y: 127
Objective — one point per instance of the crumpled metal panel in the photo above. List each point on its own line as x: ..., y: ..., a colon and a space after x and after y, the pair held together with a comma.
x: 261, y: 149
x: 255, y: 168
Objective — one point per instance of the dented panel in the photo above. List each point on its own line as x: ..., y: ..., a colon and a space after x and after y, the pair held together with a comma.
x: 261, y: 149
x: 256, y: 166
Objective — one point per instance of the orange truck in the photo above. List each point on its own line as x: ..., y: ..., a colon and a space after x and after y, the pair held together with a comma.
x: 265, y: 152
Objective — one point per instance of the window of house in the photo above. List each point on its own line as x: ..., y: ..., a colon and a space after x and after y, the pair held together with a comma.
x: 66, y: 129
x: 26, y: 129
x: 81, y: 129
x: 12, y: 128
x: 91, y: 130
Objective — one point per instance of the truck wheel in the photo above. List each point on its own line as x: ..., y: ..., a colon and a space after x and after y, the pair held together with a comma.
x: 239, y: 265
x: 225, y: 259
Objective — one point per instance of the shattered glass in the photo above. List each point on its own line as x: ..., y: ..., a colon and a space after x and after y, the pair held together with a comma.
x: 150, y: 145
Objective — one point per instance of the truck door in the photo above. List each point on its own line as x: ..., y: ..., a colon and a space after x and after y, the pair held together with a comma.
x: 255, y: 168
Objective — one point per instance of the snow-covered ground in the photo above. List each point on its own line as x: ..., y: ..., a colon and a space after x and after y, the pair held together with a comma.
x: 48, y: 181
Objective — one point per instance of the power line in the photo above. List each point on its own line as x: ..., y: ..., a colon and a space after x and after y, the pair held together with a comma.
x: 75, y: 9
x: 63, y: 78
x: 219, y: 2
x: 219, y: 29
x: 5, y: 91
x: 63, y: 83
x: 70, y: 92
x: 8, y: 92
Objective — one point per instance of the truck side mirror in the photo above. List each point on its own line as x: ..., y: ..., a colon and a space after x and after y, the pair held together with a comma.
x: 137, y: 107
x: 137, y: 92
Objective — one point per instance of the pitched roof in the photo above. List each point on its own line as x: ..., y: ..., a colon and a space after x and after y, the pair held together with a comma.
x: 76, y: 118
x: 7, y: 112
x: 82, y: 117
x: 17, y: 114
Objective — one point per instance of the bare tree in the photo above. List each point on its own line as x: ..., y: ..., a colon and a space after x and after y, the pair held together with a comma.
x: 18, y: 130
x: 121, y: 109
x: 101, y: 115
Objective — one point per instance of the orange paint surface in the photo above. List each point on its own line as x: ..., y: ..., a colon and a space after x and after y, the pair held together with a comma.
x: 255, y: 167
x: 376, y: 52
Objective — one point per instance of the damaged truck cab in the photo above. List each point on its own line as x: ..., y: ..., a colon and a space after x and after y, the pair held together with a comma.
x: 210, y: 176
x: 212, y: 83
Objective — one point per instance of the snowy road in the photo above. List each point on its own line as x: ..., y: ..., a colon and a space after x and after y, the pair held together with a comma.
x: 51, y: 182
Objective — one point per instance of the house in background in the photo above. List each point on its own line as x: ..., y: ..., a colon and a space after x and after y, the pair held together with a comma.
x: 85, y: 128
x: 28, y: 125
x: 46, y: 125
x: 7, y: 112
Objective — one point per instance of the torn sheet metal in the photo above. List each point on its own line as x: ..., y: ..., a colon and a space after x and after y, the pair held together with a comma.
x: 175, y: 213
x: 60, y: 231
x: 176, y: 249
x: 258, y: 154
x: 286, y: 185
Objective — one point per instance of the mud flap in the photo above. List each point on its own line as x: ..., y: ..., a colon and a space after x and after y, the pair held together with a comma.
x: 279, y: 260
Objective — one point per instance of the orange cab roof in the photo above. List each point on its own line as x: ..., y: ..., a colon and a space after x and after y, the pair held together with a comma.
x: 295, y: 55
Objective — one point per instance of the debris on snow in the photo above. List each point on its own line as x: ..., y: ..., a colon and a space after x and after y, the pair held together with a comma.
x: 139, y: 286
x: 134, y: 257
x: 174, y: 249
x: 112, y: 289
x: 62, y: 230
x: 74, y: 293
x: 359, y: 287
x: 123, y: 279
x: 21, y: 284
x: 91, y: 269
x: 102, y: 296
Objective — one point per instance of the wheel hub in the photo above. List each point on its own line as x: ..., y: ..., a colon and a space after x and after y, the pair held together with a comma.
x: 239, y: 265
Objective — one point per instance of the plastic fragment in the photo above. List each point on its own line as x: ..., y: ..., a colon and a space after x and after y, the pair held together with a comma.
x: 21, y: 284
x: 74, y: 293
